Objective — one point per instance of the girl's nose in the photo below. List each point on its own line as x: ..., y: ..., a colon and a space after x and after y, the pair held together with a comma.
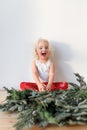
x: 43, y: 49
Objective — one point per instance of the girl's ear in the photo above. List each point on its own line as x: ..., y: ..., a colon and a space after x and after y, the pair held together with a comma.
x: 36, y: 54
x: 36, y: 51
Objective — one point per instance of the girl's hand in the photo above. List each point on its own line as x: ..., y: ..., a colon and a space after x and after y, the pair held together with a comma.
x: 48, y: 87
x: 41, y: 87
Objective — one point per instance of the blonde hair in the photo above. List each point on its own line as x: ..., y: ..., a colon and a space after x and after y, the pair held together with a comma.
x: 36, y: 45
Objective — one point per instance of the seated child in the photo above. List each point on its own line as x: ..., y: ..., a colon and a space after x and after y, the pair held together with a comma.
x: 43, y: 70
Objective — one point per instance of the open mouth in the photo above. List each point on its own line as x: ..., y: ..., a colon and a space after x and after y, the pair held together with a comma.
x: 43, y: 54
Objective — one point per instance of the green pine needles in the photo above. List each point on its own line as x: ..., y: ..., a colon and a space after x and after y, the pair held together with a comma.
x: 63, y: 107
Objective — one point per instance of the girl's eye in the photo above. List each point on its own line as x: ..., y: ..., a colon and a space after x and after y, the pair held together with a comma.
x: 43, y: 48
x: 40, y: 48
x: 46, y: 47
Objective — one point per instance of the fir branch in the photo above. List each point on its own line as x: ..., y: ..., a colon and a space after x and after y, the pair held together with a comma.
x: 43, y: 108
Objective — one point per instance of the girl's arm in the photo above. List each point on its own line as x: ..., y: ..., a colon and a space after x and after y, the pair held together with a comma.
x: 51, y: 76
x: 36, y: 77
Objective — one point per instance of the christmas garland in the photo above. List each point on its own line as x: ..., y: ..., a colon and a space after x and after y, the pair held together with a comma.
x: 63, y: 107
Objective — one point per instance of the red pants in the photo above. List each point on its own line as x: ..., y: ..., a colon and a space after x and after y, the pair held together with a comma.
x: 33, y: 86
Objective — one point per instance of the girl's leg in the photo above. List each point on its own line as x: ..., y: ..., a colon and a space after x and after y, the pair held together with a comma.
x: 28, y: 86
x: 33, y: 86
x: 59, y: 86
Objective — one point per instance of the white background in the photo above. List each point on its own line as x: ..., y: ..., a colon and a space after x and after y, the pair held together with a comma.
x: 22, y: 22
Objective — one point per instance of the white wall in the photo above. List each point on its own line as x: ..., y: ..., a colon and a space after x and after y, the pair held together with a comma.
x: 22, y: 22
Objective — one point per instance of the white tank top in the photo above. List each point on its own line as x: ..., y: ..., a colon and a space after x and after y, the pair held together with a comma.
x: 43, y: 69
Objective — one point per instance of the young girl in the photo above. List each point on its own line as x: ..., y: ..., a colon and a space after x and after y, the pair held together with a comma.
x: 43, y: 67
x: 43, y: 70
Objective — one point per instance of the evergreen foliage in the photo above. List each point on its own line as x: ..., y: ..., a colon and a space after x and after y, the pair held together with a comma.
x: 63, y: 107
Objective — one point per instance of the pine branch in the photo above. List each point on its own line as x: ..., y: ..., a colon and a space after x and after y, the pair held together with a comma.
x: 80, y: 79
x: 43, y: 108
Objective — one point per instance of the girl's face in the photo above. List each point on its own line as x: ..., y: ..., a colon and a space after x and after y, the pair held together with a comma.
x: 42, y: 50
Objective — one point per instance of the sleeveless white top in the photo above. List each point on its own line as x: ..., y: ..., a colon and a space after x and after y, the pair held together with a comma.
x: 43, y: 69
